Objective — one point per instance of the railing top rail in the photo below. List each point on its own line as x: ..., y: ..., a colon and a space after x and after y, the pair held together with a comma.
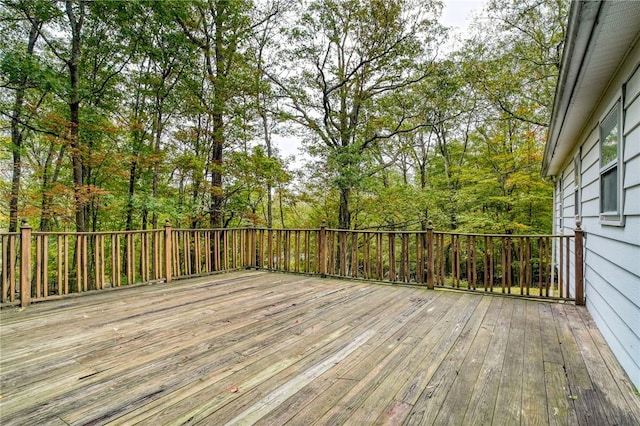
x: 89, y: 233
x: 360, y: 231
x: 505, y: 235
x: 288, y: 229
x: 468, y: 234
x: 210, y: 229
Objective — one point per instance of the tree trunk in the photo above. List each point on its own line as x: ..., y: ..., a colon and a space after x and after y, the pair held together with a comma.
x: 16, y: 146
x: 267, y: 142
x: 217, y: 197
x: 47, y: 183
x: 344, y: 215
x: 74, y: 113
x: 156, y: 172
x: 132, y: 188
x: 17, y: 133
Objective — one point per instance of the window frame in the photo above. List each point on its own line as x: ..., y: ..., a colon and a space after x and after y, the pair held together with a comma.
x: 612, y: 217
x: 561, y: 203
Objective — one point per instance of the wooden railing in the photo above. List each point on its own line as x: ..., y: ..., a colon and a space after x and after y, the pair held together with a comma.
x: 43, y: 265
x: 526, y: 265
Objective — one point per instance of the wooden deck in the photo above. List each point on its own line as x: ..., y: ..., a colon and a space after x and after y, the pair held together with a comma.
x: 264, y: 348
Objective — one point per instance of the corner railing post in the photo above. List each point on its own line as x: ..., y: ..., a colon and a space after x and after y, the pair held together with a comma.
x: 25, y: 264
x: 323, y: 250
x: 430, y: 263
x: 167, y: 251
x: 579, y: 259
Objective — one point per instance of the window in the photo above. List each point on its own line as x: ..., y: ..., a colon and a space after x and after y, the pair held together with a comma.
x: 610, y: 182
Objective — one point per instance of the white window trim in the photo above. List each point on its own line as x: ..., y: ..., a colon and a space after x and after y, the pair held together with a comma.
x: 613, y: 218
x: 577, y: 181
x: 561, y: 203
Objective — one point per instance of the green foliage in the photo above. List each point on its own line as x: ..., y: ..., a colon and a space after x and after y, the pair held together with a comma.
x: 179, y: 103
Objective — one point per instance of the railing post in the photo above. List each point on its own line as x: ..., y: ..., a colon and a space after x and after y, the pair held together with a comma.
x: 430, y: 263
x: 323, y: 250
x: 167, y: 251
x: 250, y: 248
x: 25, y: 264
x: 579, y: 259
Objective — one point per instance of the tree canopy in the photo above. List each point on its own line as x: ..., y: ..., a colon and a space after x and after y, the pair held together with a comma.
x: 123, y: 115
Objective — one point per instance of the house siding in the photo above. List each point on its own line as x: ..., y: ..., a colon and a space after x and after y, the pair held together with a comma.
x: 612, y: 253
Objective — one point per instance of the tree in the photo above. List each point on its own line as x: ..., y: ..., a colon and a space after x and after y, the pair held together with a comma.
x: 218, y: 28
x: 19, y: 68
x: 348, y: 56
x: 516, y: 56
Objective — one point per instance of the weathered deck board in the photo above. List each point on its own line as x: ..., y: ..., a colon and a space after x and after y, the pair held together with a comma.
x: 254, y: 347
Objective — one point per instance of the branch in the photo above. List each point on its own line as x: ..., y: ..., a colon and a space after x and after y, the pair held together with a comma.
x: 519, y: 117
x: 29, y: 126
x: 304, y: 118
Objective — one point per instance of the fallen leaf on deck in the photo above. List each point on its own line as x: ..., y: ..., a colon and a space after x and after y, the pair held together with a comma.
x: 234, y: 389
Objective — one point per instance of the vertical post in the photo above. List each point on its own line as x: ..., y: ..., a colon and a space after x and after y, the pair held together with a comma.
x: 250, y: 247
x: 167, y: 251
x: 25, y: 264
x: 323, y: 250
x: 430, y: 263
x: 579, y: 244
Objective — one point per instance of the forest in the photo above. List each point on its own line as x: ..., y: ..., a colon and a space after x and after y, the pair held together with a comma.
x: 122, y: 115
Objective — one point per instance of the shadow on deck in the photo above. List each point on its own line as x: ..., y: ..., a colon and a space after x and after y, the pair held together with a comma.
x: 256, y: 347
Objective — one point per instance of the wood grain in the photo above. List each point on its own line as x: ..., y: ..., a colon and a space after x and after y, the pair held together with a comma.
x: 269, y: 348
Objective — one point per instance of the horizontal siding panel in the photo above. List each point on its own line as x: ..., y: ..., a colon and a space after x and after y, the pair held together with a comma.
x: 569, y: 224
x: 591, y: 141
x: 590, y: 224
x: 624, y: 316
x: 591, y: 208
x: 632, y: 201
x: 591, y: 150
x: 632, y: 144
x: 624, y: 285
x: 632, y: 116
x: 590, y: 173
x: 602, y: 315
x: 632, y: 173
x: 590, y: 192
x: 629, y: 233
x: 633, y: 86
x: 569, y: 216
x: 623, y: 254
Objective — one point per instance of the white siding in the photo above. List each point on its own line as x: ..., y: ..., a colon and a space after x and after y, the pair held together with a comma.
x: 612, y: 253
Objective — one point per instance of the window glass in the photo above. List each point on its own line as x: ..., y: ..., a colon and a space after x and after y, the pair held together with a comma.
x: 609, y: 135
x: 609, y: 191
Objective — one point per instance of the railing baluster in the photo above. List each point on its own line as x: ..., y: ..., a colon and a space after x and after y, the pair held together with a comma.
x: 25, y: 264
x: 38, y: 290
x: 561, y: 267
x: 447, y: 259
x: 307, y: 251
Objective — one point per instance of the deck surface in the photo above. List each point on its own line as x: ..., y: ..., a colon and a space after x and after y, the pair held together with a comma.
x: 271, y: 349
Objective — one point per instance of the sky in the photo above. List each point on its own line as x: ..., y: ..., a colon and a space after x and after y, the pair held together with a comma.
x: 456, y: 13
